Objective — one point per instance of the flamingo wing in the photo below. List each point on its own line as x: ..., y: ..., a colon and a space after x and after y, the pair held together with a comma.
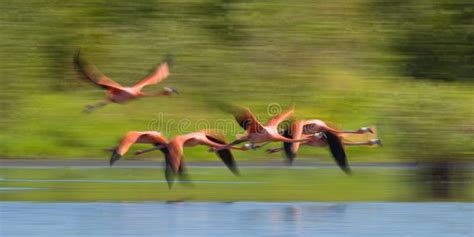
x: 225, y: 154
x: 153, y: 137
x: 247, y: 120
x: 141, y: 137
x: 337, y: 151
x: 281, y: 117
x: 127, y: 141
x: 176, y: 152
x: 158, y: 75
x: 173, y: 159
x: 287, y: 147
x: 294, y: 132
x: 91, y: 73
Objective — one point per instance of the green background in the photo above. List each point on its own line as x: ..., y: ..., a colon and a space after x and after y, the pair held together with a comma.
x: 404, y: 66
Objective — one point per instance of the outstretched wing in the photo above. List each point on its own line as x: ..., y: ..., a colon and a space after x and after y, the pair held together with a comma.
x: 142, y: 137
x: 127, y: 141
x: 287, y: 147
x: 158, y: 75
x: 174, y: 163
x: 247, y: 120
x: 294, y: 132
x: 91, y: 73
x: 337, y: 150
x: 281, y: 117
x: 175, y: 148
x: 225, y: 154
x: 169, y: 173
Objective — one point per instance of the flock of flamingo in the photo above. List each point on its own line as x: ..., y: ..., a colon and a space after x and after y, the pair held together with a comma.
x: 315, y: 133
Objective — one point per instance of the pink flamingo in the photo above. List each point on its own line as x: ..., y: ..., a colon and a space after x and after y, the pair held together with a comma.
x: 318, y: 134
x: 257, y: 133
x: 211, y: 138
x: 117, y: 93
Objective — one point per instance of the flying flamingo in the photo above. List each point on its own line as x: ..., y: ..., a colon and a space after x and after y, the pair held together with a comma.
x: 319, y: 134
x: 117, y: 93
x: 206, y: 137
x: 148, y: 137
x: 256, y: 132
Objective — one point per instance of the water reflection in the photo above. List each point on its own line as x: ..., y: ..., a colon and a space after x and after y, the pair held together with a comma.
x: 292, y: 218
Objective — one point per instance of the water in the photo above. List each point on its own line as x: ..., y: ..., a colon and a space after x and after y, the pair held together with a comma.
x: 236, y: 219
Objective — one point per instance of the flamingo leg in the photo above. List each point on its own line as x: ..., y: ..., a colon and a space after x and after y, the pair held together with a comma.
x: 284, y: 139
x: 261, y: 145
x: 149, y: 150
x: 274, y: 150
x: 156, y: 93
x: 90, y: 108
x: 228, y: 146
x: 368, y: 143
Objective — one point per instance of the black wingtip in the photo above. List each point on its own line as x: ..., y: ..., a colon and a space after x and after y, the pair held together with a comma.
x: 77, y: 54
x: 235, y: 171
x: 290, y: 156
x: 114, y: 158
x: 289, y: 161
x: 184, y: 177
x: 76, y: 58
x: 169, y: 175
x: 169, y: 59
x: 229, y: 161
x: 337, y: 151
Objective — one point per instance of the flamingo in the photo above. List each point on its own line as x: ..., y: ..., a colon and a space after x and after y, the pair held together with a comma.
x: 256, y: 132
x: 148, y: 137
x: 117, y: 93
x: 209, y: 138
x: 319, y: 134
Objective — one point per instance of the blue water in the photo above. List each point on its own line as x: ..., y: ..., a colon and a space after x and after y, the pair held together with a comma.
x: 236, y: 219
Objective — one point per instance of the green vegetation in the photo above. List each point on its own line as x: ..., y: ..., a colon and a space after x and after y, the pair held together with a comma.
x: 354, y: 63
x: 255, y: 185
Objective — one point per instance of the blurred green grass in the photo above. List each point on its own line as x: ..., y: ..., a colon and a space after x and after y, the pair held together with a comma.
x: 367, y: 184
x: 335, y: 60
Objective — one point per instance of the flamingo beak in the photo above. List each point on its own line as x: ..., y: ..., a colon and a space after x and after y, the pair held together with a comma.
x: 248, y: 146
x: 366, y: 129
x: 171, y: 90
x: 320, y: 135
x: 115, y: 157
x: 174, y: 90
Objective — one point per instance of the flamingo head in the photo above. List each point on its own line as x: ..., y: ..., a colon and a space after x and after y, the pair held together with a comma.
x: 375, y: 142
x: 171, y: 90
x: 319, y: 135
x: 366, y: 129
x: 248, y: 146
